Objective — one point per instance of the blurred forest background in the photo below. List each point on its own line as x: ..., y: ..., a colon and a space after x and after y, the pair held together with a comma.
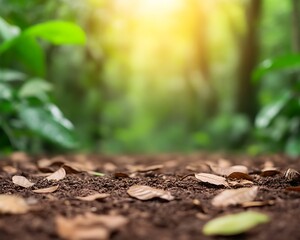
x: 144, y: 76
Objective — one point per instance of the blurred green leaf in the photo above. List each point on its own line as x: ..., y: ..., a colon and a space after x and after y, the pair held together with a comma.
x: 234, y: 224
x: 43, y: 123
x: 5, y: 91
x: 270, y: 111
x: 58, y: 32
x: 35, y: 88
x: 8, y: 75
x: 280, y: 63
x: 292, y: 147
x: 8, y: 31
x: 31, y: 54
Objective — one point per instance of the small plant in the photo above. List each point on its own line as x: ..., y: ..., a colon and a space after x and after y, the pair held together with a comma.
x: 28, y: 115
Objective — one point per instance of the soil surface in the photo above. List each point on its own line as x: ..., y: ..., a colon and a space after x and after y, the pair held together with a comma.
x: 180, y: 218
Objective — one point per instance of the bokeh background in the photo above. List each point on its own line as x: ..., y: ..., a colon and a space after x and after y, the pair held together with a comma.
x: 150, y: 76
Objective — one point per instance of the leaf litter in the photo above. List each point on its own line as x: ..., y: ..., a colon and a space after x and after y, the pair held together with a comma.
x: 212, y: 179
x: 57, y: 175
x: 46, y: 190
x: 234, y: 196
x: 13, y: 204
x: 94, y: 197
x: 89, y: 226
x: 146, y: 193
x: 22, y: 181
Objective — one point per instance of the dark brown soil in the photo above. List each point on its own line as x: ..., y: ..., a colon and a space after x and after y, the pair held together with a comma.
x: 155, y: 218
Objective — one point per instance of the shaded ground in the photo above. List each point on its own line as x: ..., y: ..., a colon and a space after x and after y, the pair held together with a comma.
x: 181, y: 218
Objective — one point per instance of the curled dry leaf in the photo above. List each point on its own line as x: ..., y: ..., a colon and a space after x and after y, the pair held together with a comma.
x: 269, y: 172
x: 58, y: 175
x: 13, y: 204
x: 240, y: 175
x: 234, y: 224
x: 234, y: 196
x: 46, y: 190
x: 142, y: 192
x: 89, y: 226
x: 22, y: 181
x: 212, y: 179
x: 292, y: 175
x: 93, y: 197
x: 228, y: 170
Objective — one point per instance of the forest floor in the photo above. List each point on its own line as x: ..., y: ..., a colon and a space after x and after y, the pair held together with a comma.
x: 69, y: 209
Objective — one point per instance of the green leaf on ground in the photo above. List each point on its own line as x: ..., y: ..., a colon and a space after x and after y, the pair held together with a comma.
x: 234, y: 224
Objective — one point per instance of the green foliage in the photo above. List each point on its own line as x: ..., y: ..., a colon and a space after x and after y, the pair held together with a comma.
x: 278, y: 121
x: 28, y: 115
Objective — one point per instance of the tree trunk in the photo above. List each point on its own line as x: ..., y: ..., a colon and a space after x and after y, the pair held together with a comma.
x: 249, y: 52
x: 296, y: 26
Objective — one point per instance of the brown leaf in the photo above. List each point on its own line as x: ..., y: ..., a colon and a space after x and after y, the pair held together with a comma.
x: 9, y: 169
x: 240, y: 175
x: 212, y: 179
x: 58, y: 175
x: 19, y: 157
x: 296, y: 188
x: 269, y: 172
x: 141, y: 168
x: 257, y: 203
x: 46, y: 190
x: 228, y: 170
x: 240, y: 183
x: 121, y: 175
x: 46, y: 163
x: 292, y: 175
x: 94, y: 197
x: 88, y: 226
x: 12, y: 204
x: 142, y: 192
x: 234, y: 196
x: 22, y: 181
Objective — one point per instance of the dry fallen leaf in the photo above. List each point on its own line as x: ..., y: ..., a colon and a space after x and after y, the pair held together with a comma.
x: 240, y: 175
x: 142, y: 192
x: 295, y: 189
x: 89, y: 226
x: 141, y: 168
x: 46, y: 190
x: 234, y: 196
x: 22, y: 181
x: 269, y: 172
x: 121, y: 175
x: 292, y: 175
x: 257, y: 203
x: 13, y: 204
x: 58, y: 175
x: 9, y: 169
x: 93, y: 197
x: 19, y: 157
x: 211, y: 178
x: 240, y: 183
x: 228, y: 170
